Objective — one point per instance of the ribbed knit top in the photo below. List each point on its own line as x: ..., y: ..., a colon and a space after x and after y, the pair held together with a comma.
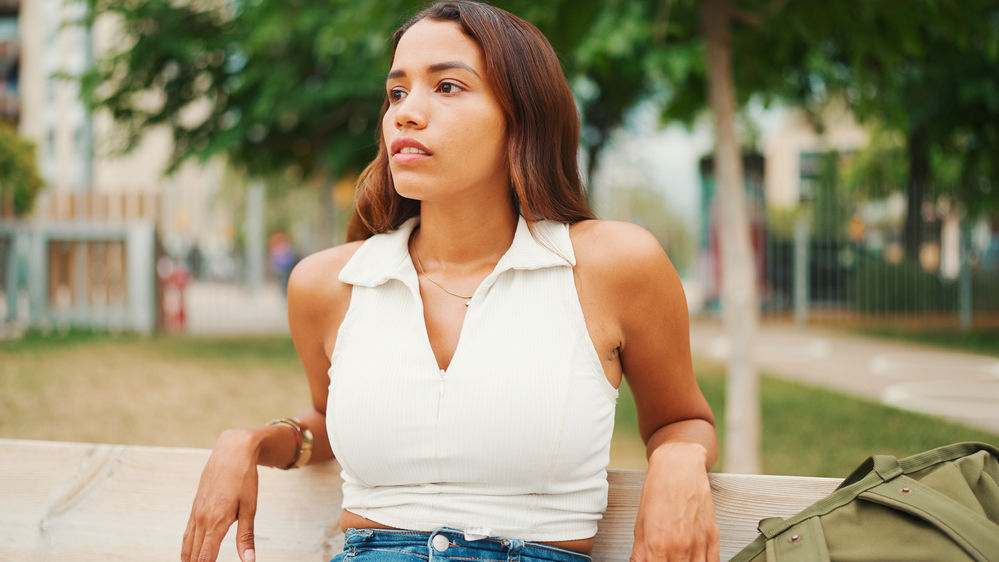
x: 513, y: 439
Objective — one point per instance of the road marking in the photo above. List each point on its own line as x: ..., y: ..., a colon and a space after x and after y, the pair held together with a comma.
x: 774, y: 349
x: 934, y: 365
x: 945, y: 398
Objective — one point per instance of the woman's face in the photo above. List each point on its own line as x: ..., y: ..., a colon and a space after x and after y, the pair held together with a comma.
x: 444, y: 129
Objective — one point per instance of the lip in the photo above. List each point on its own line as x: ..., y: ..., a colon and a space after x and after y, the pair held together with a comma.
x: 406, y: 142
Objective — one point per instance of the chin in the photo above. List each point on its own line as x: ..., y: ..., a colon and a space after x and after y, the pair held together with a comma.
x: 417, y: 190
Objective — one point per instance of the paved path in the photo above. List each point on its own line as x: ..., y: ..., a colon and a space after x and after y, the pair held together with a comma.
x: 233, y: 310
x: 959, y: 386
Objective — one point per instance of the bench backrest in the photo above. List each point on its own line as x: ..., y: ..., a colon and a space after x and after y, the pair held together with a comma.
x: 84, y: 502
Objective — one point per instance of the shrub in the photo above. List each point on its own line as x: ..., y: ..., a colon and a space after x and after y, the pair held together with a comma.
x: 18, y: 170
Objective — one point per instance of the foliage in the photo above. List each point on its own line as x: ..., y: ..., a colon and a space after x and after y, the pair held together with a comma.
x: 296, y: 87
x: 18, y: 170
x: 830, y: 213
x: 626, y: 57
x: 938, y: 84
x: 928, y: 67
x: 878, y: 169
x: 275, y: 85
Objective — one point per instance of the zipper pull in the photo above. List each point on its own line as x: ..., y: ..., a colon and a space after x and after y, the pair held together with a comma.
x: 442, y: 382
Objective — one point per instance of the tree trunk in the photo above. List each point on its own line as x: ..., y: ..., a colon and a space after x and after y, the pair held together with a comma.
x: 739, y: 300
x: 919, y: 173
x: 327, y: 215
x: 592, y: 153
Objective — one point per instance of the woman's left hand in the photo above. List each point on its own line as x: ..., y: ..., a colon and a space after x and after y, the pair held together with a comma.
x: 676, y: 515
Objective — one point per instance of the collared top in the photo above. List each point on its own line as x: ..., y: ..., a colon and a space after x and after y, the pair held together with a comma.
x: 513, y: 439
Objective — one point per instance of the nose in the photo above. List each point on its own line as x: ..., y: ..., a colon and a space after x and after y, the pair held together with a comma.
x: 411, y: 111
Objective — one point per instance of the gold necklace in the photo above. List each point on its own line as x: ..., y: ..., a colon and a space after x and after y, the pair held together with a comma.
x: 468, y: 299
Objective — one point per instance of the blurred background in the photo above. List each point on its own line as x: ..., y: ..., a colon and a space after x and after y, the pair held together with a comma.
x: 163, y: 166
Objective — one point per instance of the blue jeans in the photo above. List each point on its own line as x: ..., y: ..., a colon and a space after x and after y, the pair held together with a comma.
x: 442, y: 545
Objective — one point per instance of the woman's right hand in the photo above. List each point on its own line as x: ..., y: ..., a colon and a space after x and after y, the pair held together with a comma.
x: 227, y: 493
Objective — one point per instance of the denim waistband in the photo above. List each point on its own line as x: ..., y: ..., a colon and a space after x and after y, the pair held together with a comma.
x: 443, y: 544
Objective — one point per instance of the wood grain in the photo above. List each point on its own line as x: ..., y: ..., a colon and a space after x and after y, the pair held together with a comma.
x: 83, y: 502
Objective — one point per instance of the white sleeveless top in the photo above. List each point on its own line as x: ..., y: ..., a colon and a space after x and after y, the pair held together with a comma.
x: 513, y: 439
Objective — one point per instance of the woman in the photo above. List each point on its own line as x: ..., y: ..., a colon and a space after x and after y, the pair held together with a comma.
x: 464, y: 350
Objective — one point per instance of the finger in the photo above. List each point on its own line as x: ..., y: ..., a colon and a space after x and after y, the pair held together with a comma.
x: 699, y: 551
x: 714, y: 553
x: 188, y: 544
x: 210, y: 548
x: 638, y: 551
x: 244, y: 532
x: 638, y: 546
x: 197, y: 542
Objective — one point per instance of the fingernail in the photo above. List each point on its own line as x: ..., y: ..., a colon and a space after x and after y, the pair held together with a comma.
x: 248, y: 555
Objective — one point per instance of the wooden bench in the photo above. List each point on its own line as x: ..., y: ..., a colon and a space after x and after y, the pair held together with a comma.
x: 82, y: 502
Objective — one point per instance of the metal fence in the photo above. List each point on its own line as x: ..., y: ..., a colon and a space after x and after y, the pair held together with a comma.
x: 839, y: 256
x: 87, y: 268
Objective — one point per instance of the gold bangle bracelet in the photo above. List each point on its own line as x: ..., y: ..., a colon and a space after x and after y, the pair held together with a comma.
x: 303, y: 442
x: 305, y: 451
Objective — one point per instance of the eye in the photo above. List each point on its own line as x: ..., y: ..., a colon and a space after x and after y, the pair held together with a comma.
x: 449, y: 88
x: 396, y: 95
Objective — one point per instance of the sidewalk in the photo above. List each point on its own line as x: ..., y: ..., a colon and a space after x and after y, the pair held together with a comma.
x: 223, y: 309
x: 958, y: 386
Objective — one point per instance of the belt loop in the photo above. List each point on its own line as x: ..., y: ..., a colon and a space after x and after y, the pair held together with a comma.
x: 354, y: 536
x: 430, y: 545
x: 431, y: 550
x: 514, y: 546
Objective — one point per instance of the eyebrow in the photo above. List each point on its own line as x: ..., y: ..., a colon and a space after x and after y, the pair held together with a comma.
x: 435, y: 68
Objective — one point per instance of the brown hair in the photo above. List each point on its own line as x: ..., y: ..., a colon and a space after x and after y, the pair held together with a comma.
x: 541, y: 116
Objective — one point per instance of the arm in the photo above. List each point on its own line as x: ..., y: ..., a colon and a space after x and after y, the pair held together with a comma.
x: 227, y: 492
x: 676, y: 519
x: 628, y: 268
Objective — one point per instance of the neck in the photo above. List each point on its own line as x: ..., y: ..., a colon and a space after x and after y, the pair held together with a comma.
x: 464, y: 238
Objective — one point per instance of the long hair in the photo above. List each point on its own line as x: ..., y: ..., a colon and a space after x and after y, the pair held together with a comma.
x: 541, y: 118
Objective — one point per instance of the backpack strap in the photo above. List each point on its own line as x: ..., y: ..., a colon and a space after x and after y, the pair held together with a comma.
x: 885, y: 465
x: 978, y: 536
x: 918, y: 462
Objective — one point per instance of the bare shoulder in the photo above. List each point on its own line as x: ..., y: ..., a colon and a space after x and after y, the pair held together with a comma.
x: 314, y: 287
x: 315, y: 271
x: 618, y: 252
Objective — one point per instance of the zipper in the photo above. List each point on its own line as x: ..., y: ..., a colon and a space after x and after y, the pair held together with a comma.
x: 440, y: 394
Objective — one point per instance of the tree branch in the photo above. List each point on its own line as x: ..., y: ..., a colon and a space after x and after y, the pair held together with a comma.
x: 661, y: 26
x: 749, y: 18
x: 775, y: 6
x: 757, y: 19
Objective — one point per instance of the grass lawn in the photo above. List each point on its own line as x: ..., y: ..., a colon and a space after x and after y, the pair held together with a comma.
x: 176, y: 391
x: 810, y: 431
x: 169, y: 391
x: 985, y: 342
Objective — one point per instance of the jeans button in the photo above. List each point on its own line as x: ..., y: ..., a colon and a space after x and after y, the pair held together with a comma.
x: 441, y: 543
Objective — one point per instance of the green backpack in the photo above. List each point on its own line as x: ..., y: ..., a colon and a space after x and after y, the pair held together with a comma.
x: 941, y: 505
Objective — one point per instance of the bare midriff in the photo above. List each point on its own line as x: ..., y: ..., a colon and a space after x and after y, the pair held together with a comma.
x: 350, y: 520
